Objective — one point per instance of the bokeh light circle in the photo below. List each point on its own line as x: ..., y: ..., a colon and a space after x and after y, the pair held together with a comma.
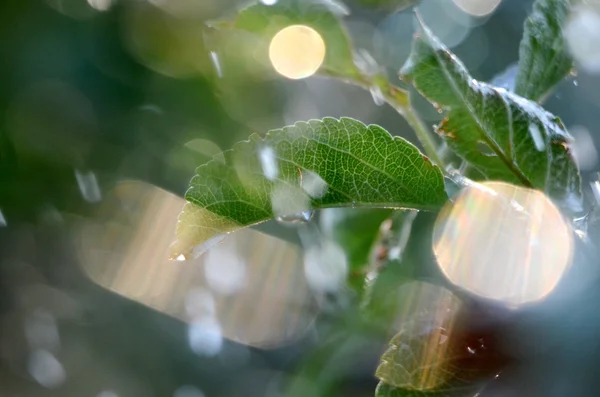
x: 503, y: 242
x: 297, y: 51
x: 478, y: 8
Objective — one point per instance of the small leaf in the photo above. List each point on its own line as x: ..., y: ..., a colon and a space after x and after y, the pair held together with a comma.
x: 504, y: 136
x: 310, y: 165
x: 355, y: 230
x: 544, y: 58
x: 267, y: 20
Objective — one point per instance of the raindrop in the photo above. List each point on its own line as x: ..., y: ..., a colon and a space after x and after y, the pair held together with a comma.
x: 377, y: 95
x: 575, y: 83
x: 46, y: 369
x: 100, y: 5
x: 336, y: 7
x: 538, y: 141
x: 290, y: 204
x: 268, y: 163
x: 41, y: 331
x: 365, y: 62
x: 189, y: 390
x: 325, y: 266
x: 205, y: 337
x: 107, y: 393
x: 2, y: 219
x: 313, y: 184
x: 296, y: 219
x: 214, y: 57
x: 269, y: 2
x: 596, y: 190
x: 199, y: 303
x: 88, y: 186
x: 224, y: 270
x: 584, y: 148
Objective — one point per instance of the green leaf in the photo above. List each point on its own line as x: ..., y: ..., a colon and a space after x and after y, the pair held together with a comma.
x: 310, y: 165
x: 544, y: 58
x: 356, y: 230
x: 504, y: 136
x: 266, y: 20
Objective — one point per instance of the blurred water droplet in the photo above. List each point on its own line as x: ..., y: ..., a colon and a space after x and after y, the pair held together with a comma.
x: 296, y: 219
x: 107, y: 393
x: 200, y: 303
x: 365, y: 62
x: 538, y: 140
x: 584, y: 148
x: 88, y: 186
x: 377, y: 95
x: 181, y: 258
x: 214, y: 57
x: 225, y: 271
x: 41, y: 331
x: 313, y: 184
x: 290, y: 203
x: 188, y: 391
x: 575, y: 83
x: 268, y: 163
x: 297, y: 51
x: 100, y: 5
x: 582, y: 33
x: 2, y: 219
x: 325, y: 266
x: 46, y: 369
x: 269, y: 2
x: 596, y: 190
x: 205, y: 337
x: 336, y: 7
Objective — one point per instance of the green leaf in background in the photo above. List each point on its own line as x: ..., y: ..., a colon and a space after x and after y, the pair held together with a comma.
x: 310, y: 165
x: 544, y: 58
x: 391, y: 5
x: 267, y: 20
x: 504, y: 136
x: 355, y: 230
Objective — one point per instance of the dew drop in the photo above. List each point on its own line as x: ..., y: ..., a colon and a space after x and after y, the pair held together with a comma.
x: 88, y: 186
x: 214, y: 57
x: 296, y: 219
x: 536, y: 135
x: 268, y: 163
x: 46, y: 369
x: 377, y: 95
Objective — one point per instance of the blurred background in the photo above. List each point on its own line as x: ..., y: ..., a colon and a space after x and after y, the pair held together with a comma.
x: 107, y: 107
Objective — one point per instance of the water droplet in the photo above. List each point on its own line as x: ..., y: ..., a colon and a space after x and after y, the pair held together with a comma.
x: 325, y: 266
x: 46, y: 369
x: 205, y: 337
x: 214, y: 57
x: 536, y: 135
x: 199, y: 303
x: 225, y: 271
x: 181, y: 258
x: 313, y: 184
x: 88, y: 186
x: 41, y: 331
x: 290, y: 204
x: 268, y: 163
x: 336, y: 7
x: 189, y: 390
x: 365, y: 62
x: 2, y: 219
x: 295, y: 219
x: 470, y: 350
x: 575, y: 83
x: 595, y: 185
x: 377, y: 95
x: 100, y: 5
x: 107, y: 393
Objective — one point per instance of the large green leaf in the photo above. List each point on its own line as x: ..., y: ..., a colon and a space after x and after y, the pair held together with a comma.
x: 504, y: 136
x: 315, y: 164
x: 266, y: 20
x: 544, y: 59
